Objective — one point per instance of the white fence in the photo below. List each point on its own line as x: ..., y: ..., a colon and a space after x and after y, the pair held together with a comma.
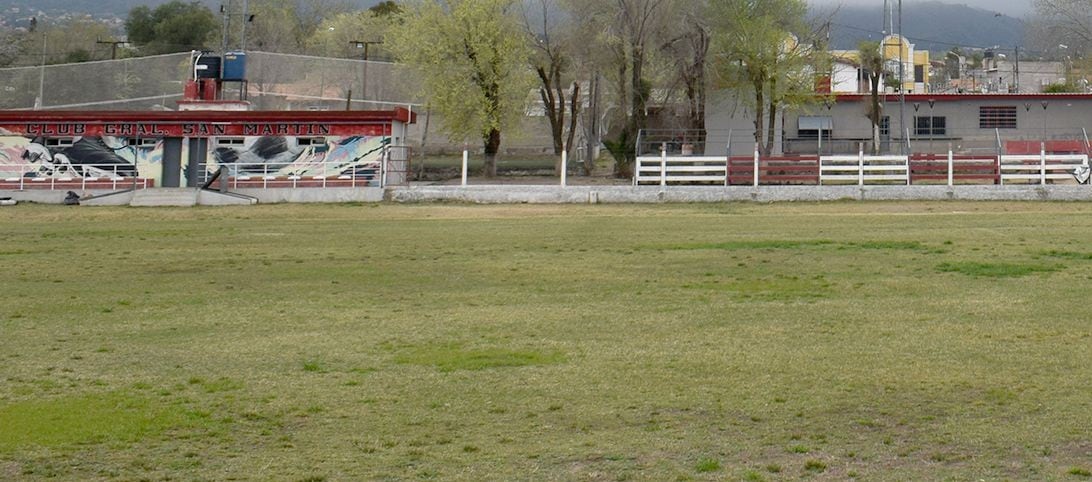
x: 864, y: 169
x: 665, y: 169
x: 860, y: 169
x: 1042, y: 167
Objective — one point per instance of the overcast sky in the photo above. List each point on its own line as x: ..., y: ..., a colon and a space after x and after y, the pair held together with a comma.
x: 1016, y: 8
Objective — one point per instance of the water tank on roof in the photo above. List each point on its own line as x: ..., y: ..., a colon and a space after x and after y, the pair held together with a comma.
x: 234, y: 66
x: 207, y: 66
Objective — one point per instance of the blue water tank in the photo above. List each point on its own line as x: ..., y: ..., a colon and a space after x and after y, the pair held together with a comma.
x: 234, y: 67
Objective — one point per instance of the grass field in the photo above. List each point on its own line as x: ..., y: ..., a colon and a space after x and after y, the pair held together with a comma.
x: 879, y: 341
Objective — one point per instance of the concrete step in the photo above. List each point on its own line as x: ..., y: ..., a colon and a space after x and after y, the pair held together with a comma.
x: 165, y: 196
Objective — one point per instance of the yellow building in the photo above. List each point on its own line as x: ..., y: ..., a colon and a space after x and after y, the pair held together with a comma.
x: 846, y: 75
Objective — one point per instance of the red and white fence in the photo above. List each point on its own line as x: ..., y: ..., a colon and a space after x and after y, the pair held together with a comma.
x: 858, y: 169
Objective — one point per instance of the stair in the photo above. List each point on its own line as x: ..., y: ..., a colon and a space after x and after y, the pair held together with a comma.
x: 165, y: 196
x: 169, y: 196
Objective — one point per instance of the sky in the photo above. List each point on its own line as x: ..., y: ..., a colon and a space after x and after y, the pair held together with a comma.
x: 1016, y: 8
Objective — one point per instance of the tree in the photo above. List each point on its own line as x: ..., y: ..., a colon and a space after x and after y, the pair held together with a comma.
x: 473, y: 62
x: 172, y: 27
x: 767, y: 47
x: 628, y: 33
x: 551, y: 60
x: 689, y: 51
x: 386, y: 9
x: 871, y: 61
x: 1063, y: 22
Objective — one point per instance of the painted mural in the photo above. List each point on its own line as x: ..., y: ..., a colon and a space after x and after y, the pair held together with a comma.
x: 112, y: 157
x: 357, y: 156
x: 98, y: 157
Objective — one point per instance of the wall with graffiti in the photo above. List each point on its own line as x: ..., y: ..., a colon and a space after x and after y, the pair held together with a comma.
x: 89, y: 157
x: 118, y: 157
x: 297, y: 156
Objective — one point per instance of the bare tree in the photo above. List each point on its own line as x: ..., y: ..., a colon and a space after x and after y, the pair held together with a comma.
x: 552, y: 61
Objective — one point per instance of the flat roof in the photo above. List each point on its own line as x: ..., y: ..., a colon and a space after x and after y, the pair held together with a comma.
x: 956, y: 97
x: 369, y: 117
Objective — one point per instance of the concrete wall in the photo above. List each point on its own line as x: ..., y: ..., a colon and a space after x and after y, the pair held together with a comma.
x: 640, y: 194
x: 763, y: 194
x: 1063, y: 119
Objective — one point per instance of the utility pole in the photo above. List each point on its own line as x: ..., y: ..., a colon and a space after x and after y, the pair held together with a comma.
x: 1016, y: 76
x: 41, y: 76
x: 113, y: 47
x: 902, y: 78
x: 225, y: 18
x: 364, y: 44
x: 247, y: 18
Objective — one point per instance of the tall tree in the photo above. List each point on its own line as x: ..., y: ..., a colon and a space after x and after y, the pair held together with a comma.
x: 473, y: 62
x: 552, y: 60
x: 688, y: 50
x: 628, y: 33
x: 768, y: 48
x: 871, y: 63
x: 172, y: 27
x: 1063, y: 22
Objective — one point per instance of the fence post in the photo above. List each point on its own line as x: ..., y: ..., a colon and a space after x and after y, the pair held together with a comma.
x: 951, y: 165
x: 728, y: 161
x: 663, y: 164
x: 383, y: 167
x: 564, y: 166
x: 466, y: 158
x: 1042, y: 163
x: 908, y: 179
x: 860, y: 164
x: 756, y: 166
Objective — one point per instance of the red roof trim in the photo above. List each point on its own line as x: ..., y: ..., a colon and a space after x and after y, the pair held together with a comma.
x: 167, y: 117
x: 853, y: 97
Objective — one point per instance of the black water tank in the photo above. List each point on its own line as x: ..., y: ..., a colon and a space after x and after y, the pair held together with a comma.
x: 207, y: 67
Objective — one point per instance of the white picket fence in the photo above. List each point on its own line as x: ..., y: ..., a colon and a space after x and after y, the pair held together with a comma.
x: 688, y: 169
x: 1041, y: 167
x: 861, y: 169
x: 864, y: 169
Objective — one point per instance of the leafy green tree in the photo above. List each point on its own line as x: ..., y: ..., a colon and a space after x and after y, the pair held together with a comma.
x: 172, y: 27
x: 472, y: 57
x: 768, y: 48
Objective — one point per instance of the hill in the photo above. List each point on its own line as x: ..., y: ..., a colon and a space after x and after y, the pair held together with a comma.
x: 933, y: 26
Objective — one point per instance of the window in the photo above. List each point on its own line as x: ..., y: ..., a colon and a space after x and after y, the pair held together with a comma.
x: 60, y: 141
x: 809, y: 127
x: 919, y: 73
x: 230, y: 141
x: 885, y: 127
x: 930, y: 126
x: 142, y: 142
x: 997, y: 117
x: 311, y: 141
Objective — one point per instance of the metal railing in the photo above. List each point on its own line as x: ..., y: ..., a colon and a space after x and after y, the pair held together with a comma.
x: 391, y: 169
x: 24, y: 175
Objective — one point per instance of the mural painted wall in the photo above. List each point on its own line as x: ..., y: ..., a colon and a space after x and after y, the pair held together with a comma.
x: 101, y: 157
x: 298, y: 156
x: 106, y: 157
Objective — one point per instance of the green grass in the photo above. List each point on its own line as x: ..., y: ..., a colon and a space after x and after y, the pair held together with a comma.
x: 916, y: 341
x: 91, y: 418
x: 449, y: 357
x: 995, y: 270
